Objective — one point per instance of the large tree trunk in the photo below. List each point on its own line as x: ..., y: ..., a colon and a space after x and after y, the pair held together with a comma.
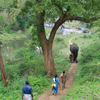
x: 48, y: 57
x: 2, y: 69
x: 46, y: 45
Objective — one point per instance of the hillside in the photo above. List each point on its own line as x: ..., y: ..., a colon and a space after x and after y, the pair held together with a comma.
x: 86, y: 84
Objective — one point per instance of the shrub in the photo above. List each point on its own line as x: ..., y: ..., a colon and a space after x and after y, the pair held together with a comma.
x: 1, y: 33
x: 8, y: 28
x: 89, y: 63
x: 87, y: 36
x: 59, y: 39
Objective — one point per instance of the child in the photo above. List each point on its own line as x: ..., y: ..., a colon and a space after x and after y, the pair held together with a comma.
x: 63, y: 77
x: 71, y: 56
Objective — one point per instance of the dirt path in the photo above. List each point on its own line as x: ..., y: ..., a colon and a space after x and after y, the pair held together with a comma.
x: 70, y: 78
x: 71, y: 72
x: 70, y: 40
x: 70, y: 44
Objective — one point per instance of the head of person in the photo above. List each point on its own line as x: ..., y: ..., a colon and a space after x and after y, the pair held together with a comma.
x: 63, y: 72
x: 27, y: 82
x: 56, y: 76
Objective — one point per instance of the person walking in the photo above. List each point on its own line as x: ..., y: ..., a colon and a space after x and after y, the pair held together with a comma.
x: 63, y: 77
x: 55, y: 86
x: 27, y: 92
x: 71, y: 56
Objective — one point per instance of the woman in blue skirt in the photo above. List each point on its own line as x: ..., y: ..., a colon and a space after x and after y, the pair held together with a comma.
x: 55, y: 86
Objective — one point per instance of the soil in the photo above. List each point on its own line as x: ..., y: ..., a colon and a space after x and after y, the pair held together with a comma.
x: 71, y: 72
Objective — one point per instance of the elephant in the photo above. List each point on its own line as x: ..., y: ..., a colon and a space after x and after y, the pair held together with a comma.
x: 74, y: 49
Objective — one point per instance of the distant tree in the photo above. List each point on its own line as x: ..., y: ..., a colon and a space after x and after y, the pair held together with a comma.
x: 2, y: 68
x: 6, y: 6
x: 11, y: 7
x: 21, y: 20
x: 57, y: 12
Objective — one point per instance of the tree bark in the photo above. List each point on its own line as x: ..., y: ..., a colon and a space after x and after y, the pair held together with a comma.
x: 2, y: 69
x: 46, y: 45
x: 48, y: 57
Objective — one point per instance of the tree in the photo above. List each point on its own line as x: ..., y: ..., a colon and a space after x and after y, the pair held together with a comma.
x: 57, y: 12
x: 11, y: 7
x: 21, y: 22
x: 6, y: 6
x: 2, y: 68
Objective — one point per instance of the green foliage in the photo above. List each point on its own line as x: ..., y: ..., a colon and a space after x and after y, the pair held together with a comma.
x: 21, y: 22
x: 0, y: 43
x: 8, y: 28
x: 24, y: 62
x: 15, y: 26
x: 1, y: 20
x: 38, y: 83
x: 89, y: 63
x: 87, y: 78
x: 88, y: 91
x: 29, y: 65
x: 92, y: 54
x: 87, y: 36
x: 58, y: 39
x: 1, y: 33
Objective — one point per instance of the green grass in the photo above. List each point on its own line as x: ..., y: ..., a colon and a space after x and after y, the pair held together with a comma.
x: 29, y: 65
x: 9, y: 37
x: 87, y: 91
x: 86, y: 84
x: 73, y: 23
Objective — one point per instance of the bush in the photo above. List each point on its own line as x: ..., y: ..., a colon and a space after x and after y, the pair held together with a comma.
x: 39, y: 83
x: 59, y: 39
x: 2, y: 20
x: 8, y: 28
x: 1, y: 33
x: 89, y: 63
x: 87, y: 36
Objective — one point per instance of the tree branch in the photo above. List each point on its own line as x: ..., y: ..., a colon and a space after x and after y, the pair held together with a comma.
x: 58, y: 6
x: 7, y: 18
x: 68, y: 9
x: 83, y: 19
x: 54, y: 29
x: 59, y: 22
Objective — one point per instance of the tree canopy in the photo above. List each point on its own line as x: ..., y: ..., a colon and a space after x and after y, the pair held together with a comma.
x: 57, y: 12
x: 82, y: 10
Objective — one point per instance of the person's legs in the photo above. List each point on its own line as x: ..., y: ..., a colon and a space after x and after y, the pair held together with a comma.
x: 55, y: 89
x: 70, y: 59
x: 63, y: 85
